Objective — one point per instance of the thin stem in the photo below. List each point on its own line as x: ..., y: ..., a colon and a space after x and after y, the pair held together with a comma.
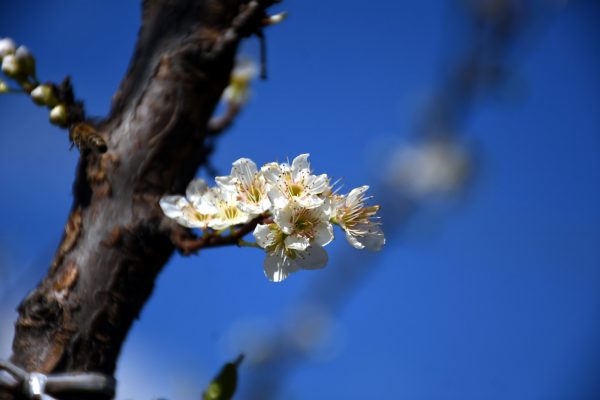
x: 14, y: 91
x: 244, y: 243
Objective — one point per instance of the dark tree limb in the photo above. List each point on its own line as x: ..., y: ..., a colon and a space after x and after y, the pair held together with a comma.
x: 115, y: 243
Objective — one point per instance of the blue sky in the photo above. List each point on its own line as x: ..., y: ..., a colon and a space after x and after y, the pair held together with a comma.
x: 495, y: 296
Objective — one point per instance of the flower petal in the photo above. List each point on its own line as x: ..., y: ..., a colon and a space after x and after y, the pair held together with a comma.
x: 284, y: 218
x: 263, y: 235
x: 172, y: 206
x: 278, y: 268
x: 373, y: 239
x: 355, y: 197
x: 244, y: 170
x: 323, y: 234
x: 354, y: 241
x: 179, y: 209
x: 314, y: 257
x: 309, y: 201
x: 277, y: 198
x: 209, y: 202
x: 300, y: 167
x: 317, y: 184
x: 226, y: 182
x: 296, y: 242
x: 271, y: 172
x: 195, y: 189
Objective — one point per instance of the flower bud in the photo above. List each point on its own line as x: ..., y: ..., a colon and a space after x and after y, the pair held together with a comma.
x: 43, y: 95
x: 7, y: 46
x: 276, y: 19
x: 3, y: 87
x: 10, y: 66
x: 59, y: 115
x: 26, y: 61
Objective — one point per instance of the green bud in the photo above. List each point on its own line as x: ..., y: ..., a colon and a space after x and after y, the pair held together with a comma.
x: 277, y: 18
x: 43, y: 95
x: 3, y: 87
x: 26, y: 61
x: 10, y: 66
x: 223, y: 385
x: 7, y: 46
x: 59, y: 115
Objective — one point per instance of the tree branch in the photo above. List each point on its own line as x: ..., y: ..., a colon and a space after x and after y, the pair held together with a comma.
x: 113, y: 247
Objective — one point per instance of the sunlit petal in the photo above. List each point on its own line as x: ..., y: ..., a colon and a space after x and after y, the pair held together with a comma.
x: 323, y: 234
x: 277, y: 269
x: 295, y: 242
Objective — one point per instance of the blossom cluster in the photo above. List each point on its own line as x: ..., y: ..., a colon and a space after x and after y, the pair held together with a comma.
x: 298, y: 210
x: 19, y: 64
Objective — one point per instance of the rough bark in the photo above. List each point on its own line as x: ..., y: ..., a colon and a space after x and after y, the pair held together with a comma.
x: 116, y: 240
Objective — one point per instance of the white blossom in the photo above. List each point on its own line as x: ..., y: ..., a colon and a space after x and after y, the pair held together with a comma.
x: 185, y: 210
x: 295, y: 211
x: 249, y: 185
x: 281, y: 260
x: 358, y: 220
x: 295, y: 183
x: 225, y: 207
x: 304, y: 226
x: 238, y: 91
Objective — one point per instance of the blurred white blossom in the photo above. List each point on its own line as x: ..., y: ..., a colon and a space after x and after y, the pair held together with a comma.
x: 429, y: 168
x: 238, y: 90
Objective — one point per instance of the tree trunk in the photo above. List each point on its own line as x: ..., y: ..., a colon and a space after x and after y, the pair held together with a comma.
x: 116, y: 240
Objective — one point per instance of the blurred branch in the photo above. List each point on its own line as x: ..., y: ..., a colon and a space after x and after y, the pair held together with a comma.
x: 495, y: 28
x: 219, y: 124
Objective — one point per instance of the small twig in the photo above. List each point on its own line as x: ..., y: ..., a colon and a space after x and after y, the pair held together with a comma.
x: 244, y: 24
x: 219, y: 124
x: 187, y: 244
x: 263, y: 54
x: 12, y: 90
